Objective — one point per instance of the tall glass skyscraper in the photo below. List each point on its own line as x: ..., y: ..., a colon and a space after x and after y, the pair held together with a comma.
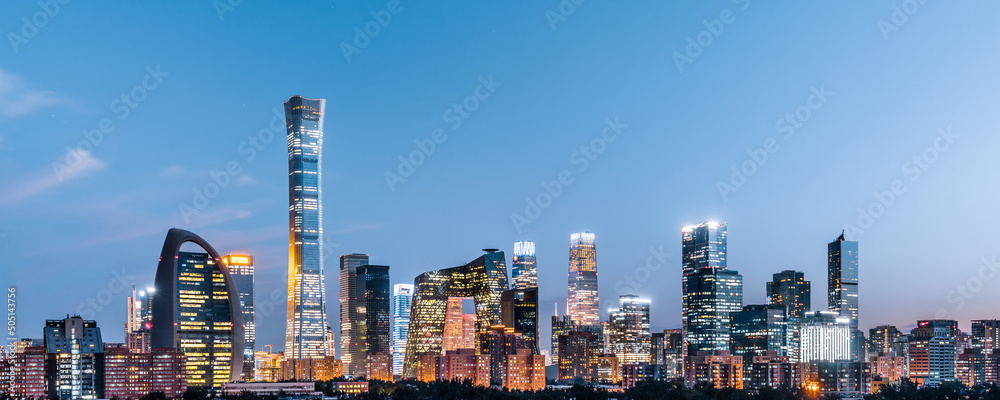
x: 402, y: 294
x: 629, y: 325
x: 375, y: 315
x: 523, y: 268
x: 582, y: 302
x: 242, y: 268
x: 709, y: 290
x: 843, y: 278
x: 350, y: 335
x: 842, y: 283
x: 305, y: 334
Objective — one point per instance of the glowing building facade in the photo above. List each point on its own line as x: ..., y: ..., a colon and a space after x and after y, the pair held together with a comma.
x: 402, y: 296
x: 242, y: 268
x: 524, y: 268
x: 709, y: 291
x: 350, y: 335
x: 197, y: 311
x: 305, y: 329
x: 629, y: 327
x: 483, y: 279
x: 826, y: 336
x: 842, y: 285
x: 582, y: 302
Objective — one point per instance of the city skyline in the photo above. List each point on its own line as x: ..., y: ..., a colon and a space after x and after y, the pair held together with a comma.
x: 880, y: 118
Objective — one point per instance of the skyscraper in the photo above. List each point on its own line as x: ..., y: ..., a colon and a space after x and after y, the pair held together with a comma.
x: 842, y: 286
x: 703, y: 260
x: 881, y: 339
x: 197, y: 311
x: 758, y: 329
x: 523, y: 268
x: 305, y: 334
x: 826, y: 336
x: 520, y: 311
x: 242, y: 268
x: 790, y: 289
x: 74, y: 359
x: 713, y: 294
x: 582, y: 302
x: 373, y: 282
x: 985, y: 335
x: 350, y: 336
x: 629, y: 330
x: 483, y: 279
x: 402, y: 294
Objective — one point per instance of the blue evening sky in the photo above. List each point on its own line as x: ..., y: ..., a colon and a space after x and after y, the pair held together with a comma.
x: 887, y: 93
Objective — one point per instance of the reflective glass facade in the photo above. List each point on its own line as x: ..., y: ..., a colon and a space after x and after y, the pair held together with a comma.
x: 524, y: 268
x: 204, y: 323
x: 629, y: 330
x: 374, y: 309
x: 712, y: 295
x: 703, y: 247
x: 843, y: 279
x: 582, y: 302
x: 757, y: 329
x: 305, y: 334
x: 402, y: 295
x: 484, y: 280
x: 350, y: 335
x: 241, y: 267
x: 520, y: 311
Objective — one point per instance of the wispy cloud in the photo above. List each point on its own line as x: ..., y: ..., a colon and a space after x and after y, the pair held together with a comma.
x: 40, y: 181
x: 18, y: 99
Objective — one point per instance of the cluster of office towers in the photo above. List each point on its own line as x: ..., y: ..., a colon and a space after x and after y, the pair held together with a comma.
x: 198, y: 318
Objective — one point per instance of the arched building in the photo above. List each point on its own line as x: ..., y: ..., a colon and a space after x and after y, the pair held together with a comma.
x: 197, y: 311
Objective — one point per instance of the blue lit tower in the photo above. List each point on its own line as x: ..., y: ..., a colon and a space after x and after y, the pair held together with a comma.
x: 305, y: 329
